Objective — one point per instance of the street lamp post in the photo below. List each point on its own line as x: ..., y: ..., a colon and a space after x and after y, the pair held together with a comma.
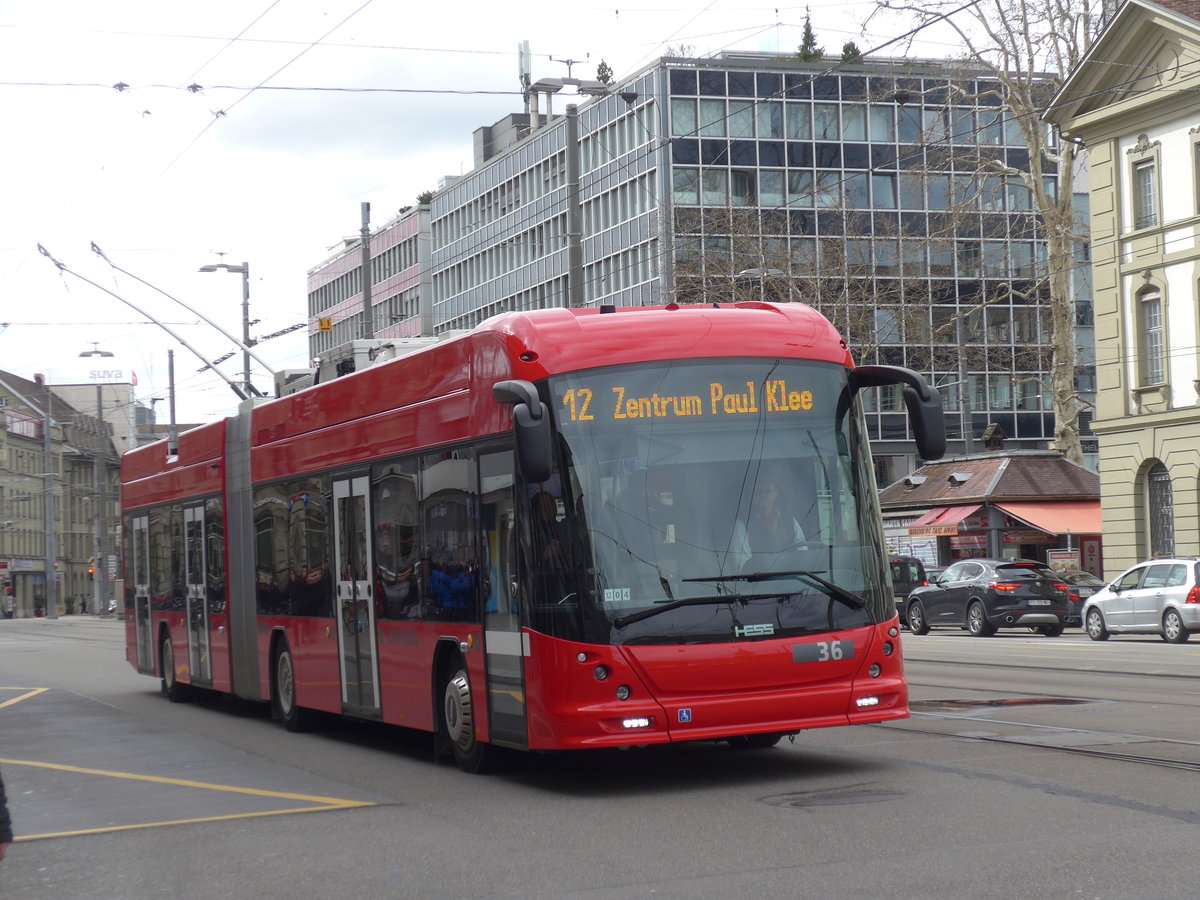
x: 244, y: 269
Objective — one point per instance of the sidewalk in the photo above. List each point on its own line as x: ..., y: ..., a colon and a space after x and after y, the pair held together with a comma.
x: 73, y: 618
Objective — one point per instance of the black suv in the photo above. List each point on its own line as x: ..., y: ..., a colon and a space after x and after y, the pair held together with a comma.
x: 982, y: 595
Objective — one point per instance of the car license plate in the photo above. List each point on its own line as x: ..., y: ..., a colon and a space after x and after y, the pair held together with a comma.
x: 1039, y: 602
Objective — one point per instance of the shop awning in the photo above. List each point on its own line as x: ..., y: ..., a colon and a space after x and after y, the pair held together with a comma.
x: 1064, y: 517
x: 941, y: 521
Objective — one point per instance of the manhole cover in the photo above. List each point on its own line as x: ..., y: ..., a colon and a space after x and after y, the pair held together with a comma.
x: 951, y: 705
x: 848, y: 796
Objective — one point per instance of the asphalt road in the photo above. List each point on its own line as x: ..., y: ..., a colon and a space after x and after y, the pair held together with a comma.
x: 1031, y: 767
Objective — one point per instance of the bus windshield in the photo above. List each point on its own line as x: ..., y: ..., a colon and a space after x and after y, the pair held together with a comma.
x: 706, y: 501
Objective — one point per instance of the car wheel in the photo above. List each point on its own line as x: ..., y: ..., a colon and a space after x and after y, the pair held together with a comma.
x: 1051, y: 630
x: 1096, y: 629
x: 977, y: 623
x: 916, y: 618
x: 1174, y: 631
x: 174, y: 691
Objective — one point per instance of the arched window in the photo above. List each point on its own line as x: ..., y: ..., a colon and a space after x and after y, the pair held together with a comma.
x: 1160, y: 506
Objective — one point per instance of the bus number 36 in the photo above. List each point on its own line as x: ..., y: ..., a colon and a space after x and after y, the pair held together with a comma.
x: 823, y: 651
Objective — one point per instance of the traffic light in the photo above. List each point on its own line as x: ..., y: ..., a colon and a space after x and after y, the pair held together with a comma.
x: 91, y: 572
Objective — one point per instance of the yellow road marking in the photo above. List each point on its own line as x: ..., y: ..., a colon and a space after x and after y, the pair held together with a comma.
x: 28, y: 693
x: 323, y: 804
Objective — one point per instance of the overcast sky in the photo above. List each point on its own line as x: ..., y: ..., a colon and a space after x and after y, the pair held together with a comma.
x: 265, y: 161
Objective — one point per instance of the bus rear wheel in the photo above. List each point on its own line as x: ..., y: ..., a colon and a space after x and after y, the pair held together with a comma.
x: 294, y: 716
x: 458, y: 723
x: 170, y: 685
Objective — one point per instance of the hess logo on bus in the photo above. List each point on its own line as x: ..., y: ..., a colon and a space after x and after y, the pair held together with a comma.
x: 764, y: 630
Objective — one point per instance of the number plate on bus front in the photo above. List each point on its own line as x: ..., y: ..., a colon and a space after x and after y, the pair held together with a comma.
x: 823, y: 651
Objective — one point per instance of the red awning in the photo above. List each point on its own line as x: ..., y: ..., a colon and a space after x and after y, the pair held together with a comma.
x: 1064, y: 517
x: 945, y: 515
x: 941, y: 521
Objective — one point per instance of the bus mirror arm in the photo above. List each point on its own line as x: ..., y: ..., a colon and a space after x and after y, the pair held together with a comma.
x: 531, y: 428
x: 922, y: 399
x: 519, y: 392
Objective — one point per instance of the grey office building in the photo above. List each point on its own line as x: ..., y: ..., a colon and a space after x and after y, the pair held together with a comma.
x: 853, y: 187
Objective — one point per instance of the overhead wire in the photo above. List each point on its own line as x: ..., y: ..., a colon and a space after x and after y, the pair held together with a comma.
x: 661, y: 186
x: 249, y: 92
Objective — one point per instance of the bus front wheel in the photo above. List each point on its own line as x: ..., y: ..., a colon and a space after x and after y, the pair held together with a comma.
x: 458, y: 723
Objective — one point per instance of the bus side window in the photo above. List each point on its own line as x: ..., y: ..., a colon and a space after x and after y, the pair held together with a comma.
x: 397, y: 549
x: 448, y: 515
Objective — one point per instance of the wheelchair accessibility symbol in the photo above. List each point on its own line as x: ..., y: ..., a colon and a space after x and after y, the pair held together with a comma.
x: 685, y: 715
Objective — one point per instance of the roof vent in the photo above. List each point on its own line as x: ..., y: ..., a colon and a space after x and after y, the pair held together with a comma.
x: 914, y: 480
x: 959, y: 477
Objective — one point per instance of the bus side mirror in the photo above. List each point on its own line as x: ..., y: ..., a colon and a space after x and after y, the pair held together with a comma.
x: 922, y: 399
x: 531, y: 428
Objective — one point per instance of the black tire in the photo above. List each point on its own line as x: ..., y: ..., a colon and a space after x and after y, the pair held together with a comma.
x: 1094, y: 625
x: 1051, y: 630
x: 457, y: 723
x: 171, y: 687
x: 294, y: 717
x: 915, y: 615
x: 755, y: 741
x: 1174, y: 631
x: 977, y: 623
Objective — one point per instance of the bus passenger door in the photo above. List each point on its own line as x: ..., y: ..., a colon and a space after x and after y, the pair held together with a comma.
x: 355, y: 609
x: 140, y: 545
x: 504, y: 643
x: 196, y: 598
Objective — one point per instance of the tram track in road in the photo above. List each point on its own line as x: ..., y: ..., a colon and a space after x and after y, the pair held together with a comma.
x: 1047, y: 696
x: 101, y: 633
x: 1189, y: 765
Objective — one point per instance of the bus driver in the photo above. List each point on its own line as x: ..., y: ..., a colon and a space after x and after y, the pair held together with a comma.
x: 769, y: 528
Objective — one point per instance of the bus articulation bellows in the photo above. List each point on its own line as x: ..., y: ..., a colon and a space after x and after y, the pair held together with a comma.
x: 568, y: 528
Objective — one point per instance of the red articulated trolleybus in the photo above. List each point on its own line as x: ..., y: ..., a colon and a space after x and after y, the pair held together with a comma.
x: 568, y: 528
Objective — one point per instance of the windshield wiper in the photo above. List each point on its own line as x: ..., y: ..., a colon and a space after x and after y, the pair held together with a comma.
x: 622, y: 621
x: 837, y: 592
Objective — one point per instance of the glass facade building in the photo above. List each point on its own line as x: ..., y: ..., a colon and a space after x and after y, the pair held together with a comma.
x: 876, y: 191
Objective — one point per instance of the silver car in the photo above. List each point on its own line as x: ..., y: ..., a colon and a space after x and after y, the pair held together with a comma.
x: 1159, y: 596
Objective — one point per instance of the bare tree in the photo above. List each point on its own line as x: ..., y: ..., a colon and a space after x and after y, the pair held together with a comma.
x: 734, y: 254
x: 1026, y: 48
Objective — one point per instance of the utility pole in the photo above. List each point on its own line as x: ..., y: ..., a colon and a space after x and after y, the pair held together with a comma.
x: 249, y: 388
x: 368, y: 316
x: 574, y: 215
x: 48, y: 490
x: 100, y: 575
x: 100, y: 549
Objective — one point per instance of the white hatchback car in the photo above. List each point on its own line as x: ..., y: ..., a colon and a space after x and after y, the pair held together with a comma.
x: 1158, y: 596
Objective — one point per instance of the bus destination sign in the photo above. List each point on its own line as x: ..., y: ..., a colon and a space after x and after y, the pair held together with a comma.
x: 773, y: 396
